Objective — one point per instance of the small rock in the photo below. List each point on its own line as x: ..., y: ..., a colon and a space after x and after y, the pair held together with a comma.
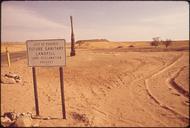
x: 12, y: 75
x: 6, y: 80
x: 23, y: 114
x: 79, y: 117
x: 6, y: 122
x: 18, y: 80
x: 17, y: 77
x: 47, y: 118
x: 11, y: 115
x: 18, y: 114
x: 29, y: 113
x: 23, y: 121
x: 10, y: 78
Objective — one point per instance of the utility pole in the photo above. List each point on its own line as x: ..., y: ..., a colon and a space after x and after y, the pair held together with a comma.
x: 72, y: 39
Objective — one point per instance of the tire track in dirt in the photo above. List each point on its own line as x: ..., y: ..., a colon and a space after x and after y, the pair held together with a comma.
x: 111, y: 84
x: 141, y: 106
x: 123, y: 79
x: 138, y: 81
x: 165, y: 106
x: 143, y: 63
x: 117, y: 80
x: 168, y: 66
x: 183, y: 117
x: 150, y: 95
x: 177, y: 87
x: 140, y: 77
x: 111, y: 115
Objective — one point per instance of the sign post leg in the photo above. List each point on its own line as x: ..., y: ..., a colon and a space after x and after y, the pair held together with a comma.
x: 62, y: 92
x: 8, y: 57
x: 35, y: 91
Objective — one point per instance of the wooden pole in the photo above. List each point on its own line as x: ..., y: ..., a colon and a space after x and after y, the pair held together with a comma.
x: 35, y: 91
x: 72, y: 39
x: 8, y: 57
x: 62, y: 92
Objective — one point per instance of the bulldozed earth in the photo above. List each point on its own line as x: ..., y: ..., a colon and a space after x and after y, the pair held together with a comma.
x: 107, y: 84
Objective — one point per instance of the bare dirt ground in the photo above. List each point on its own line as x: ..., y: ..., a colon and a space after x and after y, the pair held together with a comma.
x: 111, y: 87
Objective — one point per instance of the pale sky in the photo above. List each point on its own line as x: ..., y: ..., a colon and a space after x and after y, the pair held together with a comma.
x: 112, y: 20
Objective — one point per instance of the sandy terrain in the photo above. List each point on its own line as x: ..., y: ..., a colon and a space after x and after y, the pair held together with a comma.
x: 13, y: 47
x: 112, y: 86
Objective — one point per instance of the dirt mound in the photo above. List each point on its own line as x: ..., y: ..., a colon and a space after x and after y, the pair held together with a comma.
x: 93, y: 45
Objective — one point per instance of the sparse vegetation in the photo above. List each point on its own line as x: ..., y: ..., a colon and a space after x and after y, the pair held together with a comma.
x: 131, y: 46
x: 155, y: 41
x: 167, y: 43
x: 120, y: 47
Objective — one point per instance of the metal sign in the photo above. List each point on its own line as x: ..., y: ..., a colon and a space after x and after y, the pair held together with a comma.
x: 46, y: 52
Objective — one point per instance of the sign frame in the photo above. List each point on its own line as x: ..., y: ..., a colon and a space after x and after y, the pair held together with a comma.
x: 61, y: 72
x: 27, y: 47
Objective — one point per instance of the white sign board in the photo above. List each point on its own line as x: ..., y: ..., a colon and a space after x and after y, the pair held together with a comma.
x: 46, y: 52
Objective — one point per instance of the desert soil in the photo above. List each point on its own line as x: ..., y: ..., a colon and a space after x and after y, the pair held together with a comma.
x: 111, y: 88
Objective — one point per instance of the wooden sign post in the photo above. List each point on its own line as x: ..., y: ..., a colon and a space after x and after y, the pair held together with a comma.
x: 35, y: 91
x: 47, y: 53
x: 8, y: 57
x: 62, y: 92
x: 72, y: 39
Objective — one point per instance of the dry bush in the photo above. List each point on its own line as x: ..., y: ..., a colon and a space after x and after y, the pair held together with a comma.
x: 120, y: 47
x: 167, y: 43
x: 131, y: 46
x: 155, y: 41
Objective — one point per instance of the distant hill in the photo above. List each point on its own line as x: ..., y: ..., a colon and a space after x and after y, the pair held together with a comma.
x: 92, y: 40
x: 105, y: 44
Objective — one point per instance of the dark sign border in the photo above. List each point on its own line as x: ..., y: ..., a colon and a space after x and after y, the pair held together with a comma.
x: 45, y: 40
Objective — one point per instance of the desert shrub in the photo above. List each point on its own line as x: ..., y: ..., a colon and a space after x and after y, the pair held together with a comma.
x: 120, y: 47
x: 155, y: 41
x: 131, y: 46
x: 167, y: 43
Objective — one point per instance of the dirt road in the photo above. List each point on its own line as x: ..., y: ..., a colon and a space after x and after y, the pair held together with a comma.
x: 13, y: 56
x: 110, y: 88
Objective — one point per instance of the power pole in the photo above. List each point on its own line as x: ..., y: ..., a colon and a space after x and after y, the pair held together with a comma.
x: 72, y: 39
